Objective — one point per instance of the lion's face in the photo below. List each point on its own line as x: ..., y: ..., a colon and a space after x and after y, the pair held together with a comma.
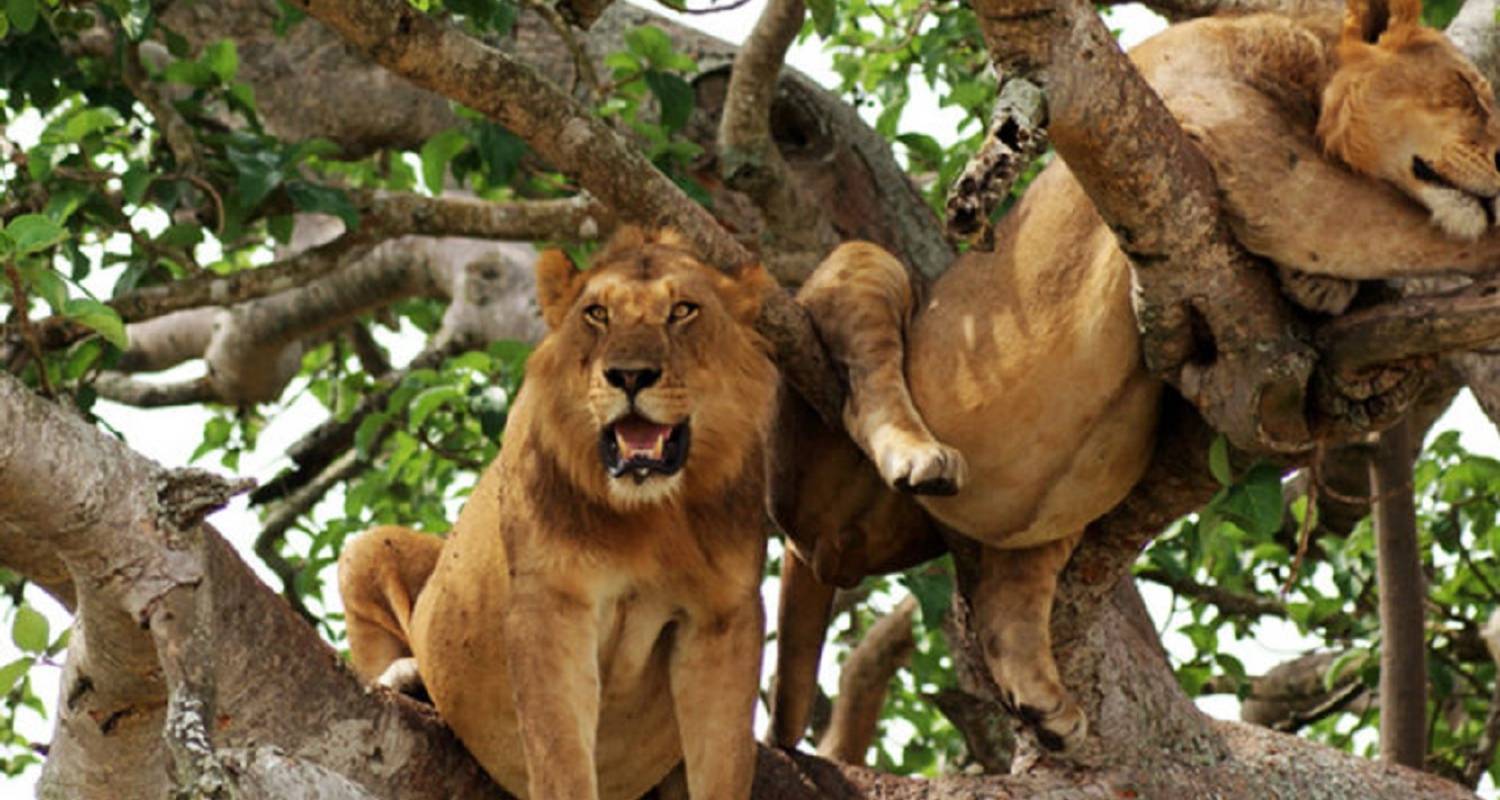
x: 1410, y: 109
x: 658, y: 371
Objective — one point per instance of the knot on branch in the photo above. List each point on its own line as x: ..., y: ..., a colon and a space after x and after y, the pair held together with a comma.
x: 184, y: 497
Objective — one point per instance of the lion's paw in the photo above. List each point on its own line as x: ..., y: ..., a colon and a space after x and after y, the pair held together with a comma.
x: 1061, y: 730
x: 918, y: 464
x: 402, y: 677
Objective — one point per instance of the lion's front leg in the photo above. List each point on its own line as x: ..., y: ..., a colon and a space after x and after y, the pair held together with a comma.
x: 551, y: 643
x: 714, y: 673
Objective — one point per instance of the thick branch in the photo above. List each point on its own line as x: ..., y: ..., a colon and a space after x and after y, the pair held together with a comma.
x: 1412, y: 327
x: 1158, y: 194
x: 443, y: 59
x: 797, y: 233
x: 863, y: 681
x: 110, y: 517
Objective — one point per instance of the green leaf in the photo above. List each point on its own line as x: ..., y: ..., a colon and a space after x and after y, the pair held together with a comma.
x: 190, y: 73
x: 4, y: 24
x: 436, y: 153
x: 181, y: 234
x: 259, y: 172
x: 100, y: 317
x: 12, y: 673
x: 61, y: 642
x: 1340, y: 668
x: 368, y: 433
x: 44, y: 281
x: 824, y: 16
x: 30, y: 630
x: 650, y: 43
x: 89, y: 120
x: 222, y: 59
x: 326, y: 199
x: 30, y: 233
x: 933, y: 588
x: 281, y: 227
x: 1218, y: 461
x: 134, y: 182
x: 674, y: 94
x: 501, y: 151
x: 431, y: 400
x: 22, y: 14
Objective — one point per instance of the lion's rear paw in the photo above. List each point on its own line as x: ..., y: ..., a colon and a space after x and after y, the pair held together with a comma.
x: 402, y: 676
x: 919, y: 465
x: 1060, y: 730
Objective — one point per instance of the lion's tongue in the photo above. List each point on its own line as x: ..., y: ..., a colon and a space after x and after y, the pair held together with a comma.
x: 639, y: 437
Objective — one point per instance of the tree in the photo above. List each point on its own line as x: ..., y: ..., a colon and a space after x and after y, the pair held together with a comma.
x: 224, y: 121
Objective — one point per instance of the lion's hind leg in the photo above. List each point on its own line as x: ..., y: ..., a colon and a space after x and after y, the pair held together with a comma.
x: 860, y: 300
x: 381, y: 572
x: 1013, y: 613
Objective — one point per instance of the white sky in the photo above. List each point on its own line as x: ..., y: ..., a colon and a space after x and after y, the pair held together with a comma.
x: 169, y: 436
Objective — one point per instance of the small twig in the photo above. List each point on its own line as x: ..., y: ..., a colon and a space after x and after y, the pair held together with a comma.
x: 1484, y: 750
x: 583, y: 65
x: 1335, y: 703
x: 19, y: 303
x: 460, y: 459
x: 912, y: 28
x: 213, y: 194
x: 1305, y: 530
x: 713, y: 9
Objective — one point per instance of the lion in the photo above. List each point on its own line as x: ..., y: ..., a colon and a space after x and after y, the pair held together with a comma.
x: 1012, y: 405
x: 595, y: 616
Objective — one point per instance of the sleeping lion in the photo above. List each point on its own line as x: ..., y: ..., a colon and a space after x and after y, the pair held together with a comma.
x: 595, y: 618
x: 1027, y: 363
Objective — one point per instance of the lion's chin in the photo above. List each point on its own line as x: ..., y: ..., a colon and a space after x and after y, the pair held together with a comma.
x: 626, y: 493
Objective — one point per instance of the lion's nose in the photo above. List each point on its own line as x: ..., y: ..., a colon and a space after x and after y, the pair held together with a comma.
x: 631, y: 381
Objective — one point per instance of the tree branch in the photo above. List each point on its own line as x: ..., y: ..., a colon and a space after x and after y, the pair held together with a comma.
x: 864, y: 679
x: 797, y: 233
x: 445, y: 60
x: 1135, y: 163
x: 1403, y: 647
x: 122, y: 388
x: 1017, y: 136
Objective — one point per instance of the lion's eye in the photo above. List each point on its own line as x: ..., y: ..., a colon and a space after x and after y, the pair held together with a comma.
x: 597, y: 313
x: 684, y: 311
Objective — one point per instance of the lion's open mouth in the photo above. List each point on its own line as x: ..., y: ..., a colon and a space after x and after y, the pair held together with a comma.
x: 638, y: 447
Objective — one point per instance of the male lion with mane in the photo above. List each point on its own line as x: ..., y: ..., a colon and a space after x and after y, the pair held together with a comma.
x: 594, y: 618
x: 1028, y: 361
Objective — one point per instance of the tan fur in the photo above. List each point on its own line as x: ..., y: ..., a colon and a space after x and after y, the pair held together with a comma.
x: 1027, y: 360
x: 583, y: 634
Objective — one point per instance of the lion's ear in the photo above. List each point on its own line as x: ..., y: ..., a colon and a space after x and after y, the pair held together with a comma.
x: 557, y: 285
x: 1366, y: 21
x: 747, y: 291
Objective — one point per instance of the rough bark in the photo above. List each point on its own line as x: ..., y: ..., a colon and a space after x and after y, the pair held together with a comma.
x: 116, y: 521
x: 1403, y: 594
x: 797, y: 233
